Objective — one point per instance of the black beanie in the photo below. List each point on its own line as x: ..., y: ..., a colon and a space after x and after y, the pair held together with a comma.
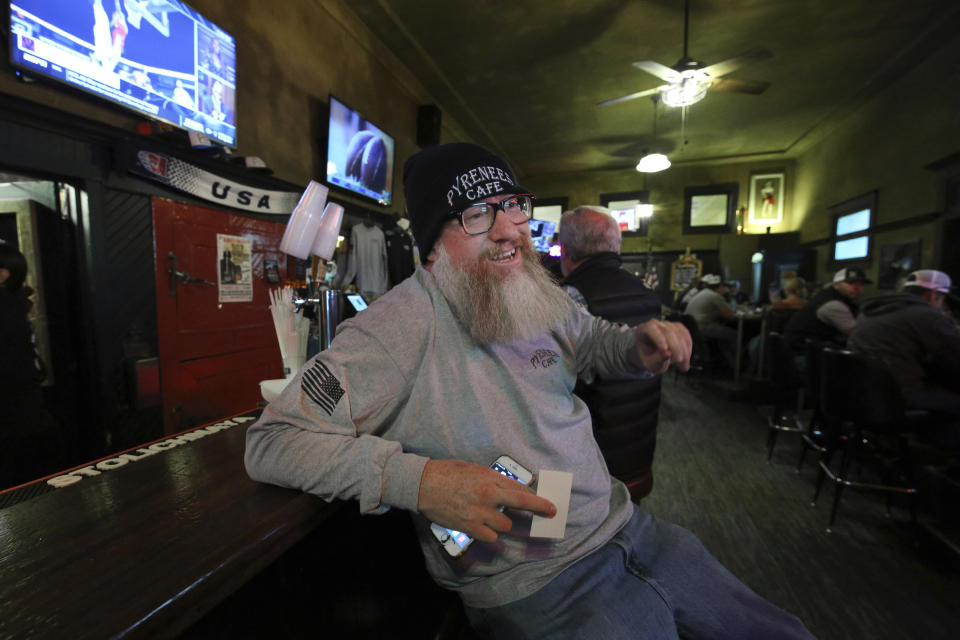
x: 446, y: 178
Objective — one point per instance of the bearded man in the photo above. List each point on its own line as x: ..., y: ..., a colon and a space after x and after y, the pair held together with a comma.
x: 473, y: 357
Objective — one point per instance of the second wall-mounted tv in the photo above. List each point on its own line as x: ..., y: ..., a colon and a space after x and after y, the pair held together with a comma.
x: 360, y: 155
x: 541, y: 233
x: 160, y: 58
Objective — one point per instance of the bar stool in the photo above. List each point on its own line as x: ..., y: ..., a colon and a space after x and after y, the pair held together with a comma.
x: 813, y: 438
x: 864, y: 419
x: 787, y: 391
x: 702, y: 358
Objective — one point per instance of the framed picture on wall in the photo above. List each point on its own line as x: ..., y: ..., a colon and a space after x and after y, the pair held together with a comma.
x: 709, y: 209
x: 896, y: 261
x: 549, y: 209
x: 766, y: 198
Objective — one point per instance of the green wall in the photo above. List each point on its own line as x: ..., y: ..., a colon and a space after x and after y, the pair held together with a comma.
x: 883, y: 144
x: 666, y: 194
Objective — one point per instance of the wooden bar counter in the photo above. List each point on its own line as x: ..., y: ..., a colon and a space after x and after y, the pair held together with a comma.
x: 145, y: 542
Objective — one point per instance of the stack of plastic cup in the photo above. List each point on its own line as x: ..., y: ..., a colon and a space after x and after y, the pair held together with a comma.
x: 301, y: 231
x: 326, y: 240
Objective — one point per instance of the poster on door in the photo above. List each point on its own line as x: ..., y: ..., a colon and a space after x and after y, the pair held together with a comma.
x: 235, y: 283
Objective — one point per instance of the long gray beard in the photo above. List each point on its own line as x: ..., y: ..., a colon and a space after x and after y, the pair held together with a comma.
x: 502, y: 307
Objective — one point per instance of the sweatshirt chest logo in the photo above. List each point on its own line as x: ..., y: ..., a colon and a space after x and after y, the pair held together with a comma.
x: 543, y: 358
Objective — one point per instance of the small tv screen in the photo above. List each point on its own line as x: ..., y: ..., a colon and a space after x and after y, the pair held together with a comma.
x: 359, y: 154
x: 855, y: 248
x: 625, y: 213
x: 357, y: 301
x: 159, y: 58
x: 542, y: 232
x: 852, y: 249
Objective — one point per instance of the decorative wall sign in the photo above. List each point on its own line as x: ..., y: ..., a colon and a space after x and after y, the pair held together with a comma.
x: 183, y: 176
x: 683, y: 270
x: 235, y: 267
x: 766, y: 198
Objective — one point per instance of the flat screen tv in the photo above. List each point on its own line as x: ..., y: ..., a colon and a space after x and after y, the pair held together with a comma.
x: 359, y: 154
x: 630, y: 214
x: 542, y: 232
x: 158, y: 57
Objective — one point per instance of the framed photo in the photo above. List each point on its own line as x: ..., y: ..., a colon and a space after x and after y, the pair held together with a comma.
x: 623, y: 206
x: 709, y: 209
x: 896, y: 261
x: 766, y: 198
x: 550, y: 209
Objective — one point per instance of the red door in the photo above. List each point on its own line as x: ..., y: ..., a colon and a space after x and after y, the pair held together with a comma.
x: 213, y: 354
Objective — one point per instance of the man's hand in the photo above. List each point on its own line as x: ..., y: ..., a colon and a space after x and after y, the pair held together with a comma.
x: 465, y: 497
x: 660, y: 344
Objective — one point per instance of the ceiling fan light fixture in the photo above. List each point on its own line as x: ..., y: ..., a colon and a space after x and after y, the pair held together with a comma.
x: 691, y: 88
x: 652, y: 163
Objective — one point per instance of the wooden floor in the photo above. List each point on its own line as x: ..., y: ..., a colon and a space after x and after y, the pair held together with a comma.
x: 869, y: 578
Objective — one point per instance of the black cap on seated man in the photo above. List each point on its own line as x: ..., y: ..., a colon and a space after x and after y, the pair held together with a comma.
x: 918, y: 342
x: 414, y: 399
x: 470, y: 221
x: 435, y: 184
x: 831, y: 314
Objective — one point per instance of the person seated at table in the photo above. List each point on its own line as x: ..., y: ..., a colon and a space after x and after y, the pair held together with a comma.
x: 794, y: 295
x: 920, y: 344
x: 685, y: 296
x: 830, y: 315
x: 710, y: 310
x: 735, y: 296
x: 788, y: 300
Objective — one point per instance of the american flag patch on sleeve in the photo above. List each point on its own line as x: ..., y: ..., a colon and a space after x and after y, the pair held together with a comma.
x: 322, y: 387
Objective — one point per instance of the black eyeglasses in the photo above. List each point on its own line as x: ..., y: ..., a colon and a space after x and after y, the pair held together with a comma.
x: 479, y: 217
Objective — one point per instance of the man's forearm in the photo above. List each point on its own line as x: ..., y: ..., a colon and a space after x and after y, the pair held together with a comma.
x: 373, y: 471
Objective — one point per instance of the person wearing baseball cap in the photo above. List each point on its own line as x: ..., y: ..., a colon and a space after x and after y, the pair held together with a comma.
x: 472, y: 358
x: 830, y: 315
x: 920, y: 344
x: 711, y: 311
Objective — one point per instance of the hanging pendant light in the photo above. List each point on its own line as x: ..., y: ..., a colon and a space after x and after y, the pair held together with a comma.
x: 653, y: 162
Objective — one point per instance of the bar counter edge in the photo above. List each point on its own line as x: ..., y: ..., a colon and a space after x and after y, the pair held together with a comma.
x: 145, y: 542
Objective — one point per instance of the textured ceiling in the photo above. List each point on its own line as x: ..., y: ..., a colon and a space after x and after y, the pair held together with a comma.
x: 525, y: 76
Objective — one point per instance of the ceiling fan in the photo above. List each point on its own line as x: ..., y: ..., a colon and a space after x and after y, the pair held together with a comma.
x: 688, y: 80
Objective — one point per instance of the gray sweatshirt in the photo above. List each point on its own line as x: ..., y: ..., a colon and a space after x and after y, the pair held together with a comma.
x: 404, y: 382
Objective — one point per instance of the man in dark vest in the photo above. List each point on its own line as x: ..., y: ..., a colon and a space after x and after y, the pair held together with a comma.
x: 830, y: 315
x: 624, y: 411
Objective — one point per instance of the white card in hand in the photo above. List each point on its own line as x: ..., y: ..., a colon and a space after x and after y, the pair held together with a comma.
x: 555, y: 486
